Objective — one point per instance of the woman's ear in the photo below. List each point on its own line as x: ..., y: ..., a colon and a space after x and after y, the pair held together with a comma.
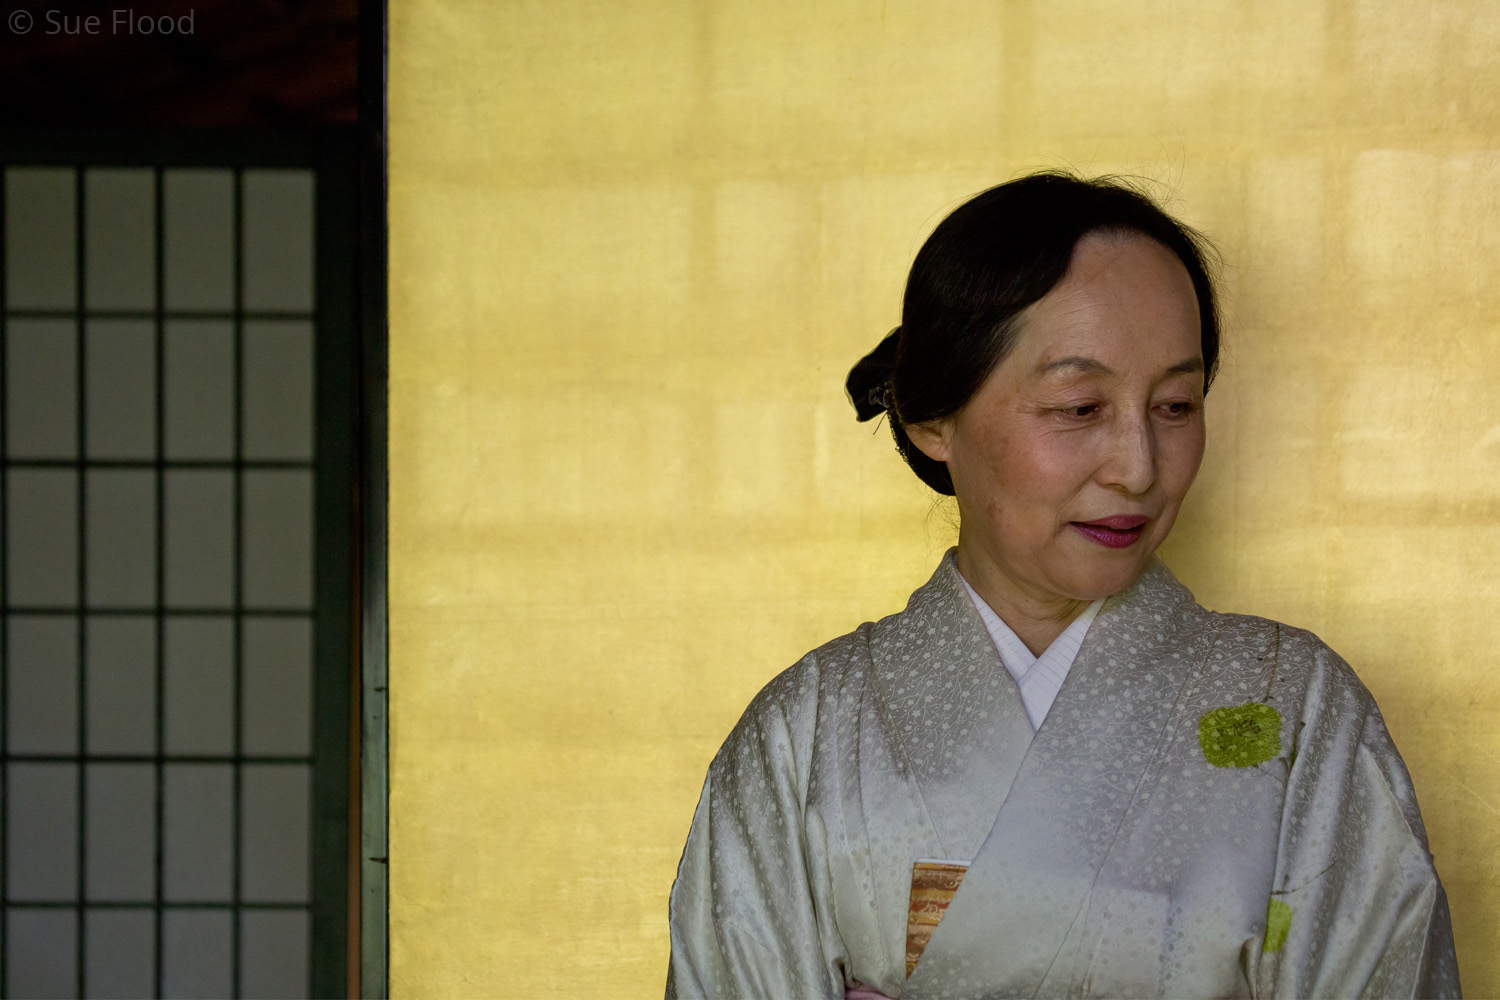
x: 931, y: 438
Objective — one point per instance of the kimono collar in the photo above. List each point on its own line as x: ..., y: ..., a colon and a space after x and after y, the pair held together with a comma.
x: 1038, y: 678
x: 1155, y: 590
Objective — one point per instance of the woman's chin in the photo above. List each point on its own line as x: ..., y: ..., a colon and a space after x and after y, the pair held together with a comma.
x: 1104, y: 573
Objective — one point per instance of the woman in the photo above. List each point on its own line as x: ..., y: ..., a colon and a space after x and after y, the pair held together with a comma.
x: 1054, y: 773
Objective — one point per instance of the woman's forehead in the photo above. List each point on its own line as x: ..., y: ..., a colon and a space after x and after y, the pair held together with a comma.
x: 1117, y: 299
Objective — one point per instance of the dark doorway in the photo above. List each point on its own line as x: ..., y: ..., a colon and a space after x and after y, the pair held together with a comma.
x: 192, y: 516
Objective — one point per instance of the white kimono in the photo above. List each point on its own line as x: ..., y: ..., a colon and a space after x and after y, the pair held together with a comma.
x: 1211, y: 808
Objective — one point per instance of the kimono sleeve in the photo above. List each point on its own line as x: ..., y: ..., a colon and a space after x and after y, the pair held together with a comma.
x: 743, y: 919
x: 1356, y: 908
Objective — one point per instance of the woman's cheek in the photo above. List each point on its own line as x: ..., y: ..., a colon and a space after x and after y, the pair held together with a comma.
x: 1058, y: 465
x: 1184, y: 459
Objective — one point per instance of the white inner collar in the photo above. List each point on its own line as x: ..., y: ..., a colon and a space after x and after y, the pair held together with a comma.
x: 1039, y: 678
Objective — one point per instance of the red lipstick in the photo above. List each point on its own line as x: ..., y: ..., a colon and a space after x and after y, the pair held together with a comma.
x: 1117, y: 532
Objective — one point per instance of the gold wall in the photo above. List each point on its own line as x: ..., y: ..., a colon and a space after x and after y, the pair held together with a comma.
x: 637, y: 244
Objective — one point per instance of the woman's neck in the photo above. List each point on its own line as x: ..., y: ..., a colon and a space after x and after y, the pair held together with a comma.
x: 1036, y: 617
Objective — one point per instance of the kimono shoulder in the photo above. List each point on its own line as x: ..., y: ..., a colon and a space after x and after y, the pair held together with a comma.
x: 1324, y: 693
x: 1356, y: 907
x: 744, y: 913
x: 782, y: 721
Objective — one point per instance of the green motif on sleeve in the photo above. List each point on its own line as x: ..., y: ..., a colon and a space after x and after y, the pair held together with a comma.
x: 1278, y: 922
x: 1240, y: 735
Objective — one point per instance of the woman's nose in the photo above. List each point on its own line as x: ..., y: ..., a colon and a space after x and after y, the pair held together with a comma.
x: 1131, y: 460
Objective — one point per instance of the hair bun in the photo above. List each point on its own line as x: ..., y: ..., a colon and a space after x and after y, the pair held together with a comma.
x: 869, y: 382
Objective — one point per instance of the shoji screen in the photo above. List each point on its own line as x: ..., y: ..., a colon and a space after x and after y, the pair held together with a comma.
x: 175, y: 732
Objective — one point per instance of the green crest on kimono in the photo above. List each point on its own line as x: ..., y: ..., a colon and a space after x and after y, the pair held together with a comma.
x: 1240, y: 735
x: 1278, y: 922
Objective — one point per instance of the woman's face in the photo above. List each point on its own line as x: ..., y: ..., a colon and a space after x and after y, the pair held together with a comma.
x: 1071, y: 461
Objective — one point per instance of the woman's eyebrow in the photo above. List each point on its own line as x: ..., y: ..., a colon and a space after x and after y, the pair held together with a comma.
x: 1191, y: 366
x: 1077, y: 362
x: 1093, y: 366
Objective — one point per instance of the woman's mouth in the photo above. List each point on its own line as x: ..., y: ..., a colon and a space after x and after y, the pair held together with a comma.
x: 1116, y: 532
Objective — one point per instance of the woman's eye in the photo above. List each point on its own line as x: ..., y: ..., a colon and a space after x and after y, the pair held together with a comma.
x: 1179, y: 409
x: 1082, y: 410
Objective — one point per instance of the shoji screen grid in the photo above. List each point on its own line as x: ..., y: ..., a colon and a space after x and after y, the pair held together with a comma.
x: 156, y: 646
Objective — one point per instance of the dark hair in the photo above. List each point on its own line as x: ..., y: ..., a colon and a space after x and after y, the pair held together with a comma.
x: 985, y: 263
